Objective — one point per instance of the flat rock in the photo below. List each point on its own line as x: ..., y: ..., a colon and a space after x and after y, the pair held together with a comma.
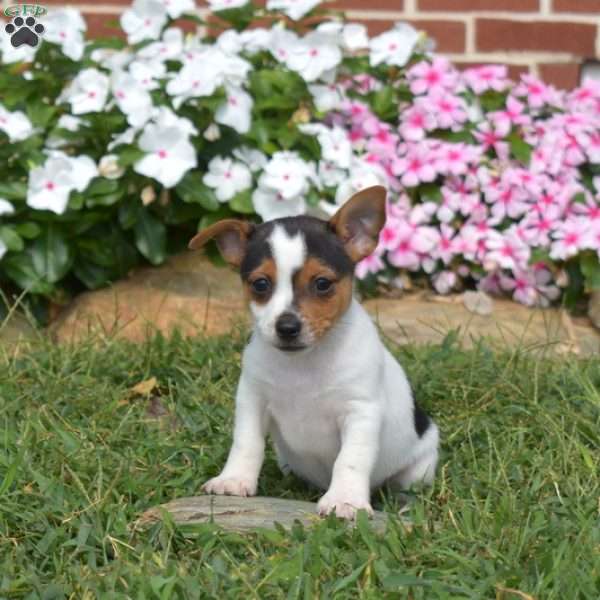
x: 244, y: 514
x: 187, y: 293
x: 192, y: 295
x: 423, y: 318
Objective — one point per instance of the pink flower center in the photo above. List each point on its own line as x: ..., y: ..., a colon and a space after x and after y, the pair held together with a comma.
x: 571, y: 239
x: 147, y: 22
x: 162, y: 154
x: 227, y: 175
x: 50, y: 185
x: 393, y: 46
x: 91, y: 94
x: 314, y: 52
x: 286, y: 177
x: 120, y: 94
x: 232, y: 101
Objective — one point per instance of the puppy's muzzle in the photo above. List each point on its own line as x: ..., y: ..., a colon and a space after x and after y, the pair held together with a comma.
x: 289, y: 327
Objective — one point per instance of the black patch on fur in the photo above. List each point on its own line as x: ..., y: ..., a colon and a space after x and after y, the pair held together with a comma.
x: 421, y: 420
x: 321, y: 242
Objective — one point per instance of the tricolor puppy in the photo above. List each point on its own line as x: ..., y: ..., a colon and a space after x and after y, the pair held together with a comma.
x: 315, y: 375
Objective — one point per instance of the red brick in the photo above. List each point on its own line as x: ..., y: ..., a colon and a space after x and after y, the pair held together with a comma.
x: 503, y: 34
x: 563, y: 75
x: 514, y: 71
x: 365, y: 4
x: 103, y: 26
x: 474, y: 5
x: 585, y: 6
x: 449, y: 35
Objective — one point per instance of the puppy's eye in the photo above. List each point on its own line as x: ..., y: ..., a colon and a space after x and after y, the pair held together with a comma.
x: 261, y: 285
x: 323, y: 285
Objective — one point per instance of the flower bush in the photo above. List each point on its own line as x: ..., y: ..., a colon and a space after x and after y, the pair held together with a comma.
x: 115, y: 152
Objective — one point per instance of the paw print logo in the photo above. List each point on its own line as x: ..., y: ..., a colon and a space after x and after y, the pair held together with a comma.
x: 24, y: 31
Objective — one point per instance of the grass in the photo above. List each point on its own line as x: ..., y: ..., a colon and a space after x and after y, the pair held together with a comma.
x: 514, y: 513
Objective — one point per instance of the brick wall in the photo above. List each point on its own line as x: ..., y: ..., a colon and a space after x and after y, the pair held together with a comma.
x: 549, y: 38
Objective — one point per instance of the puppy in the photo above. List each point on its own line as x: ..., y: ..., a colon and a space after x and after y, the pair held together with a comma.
x: 315, y: 375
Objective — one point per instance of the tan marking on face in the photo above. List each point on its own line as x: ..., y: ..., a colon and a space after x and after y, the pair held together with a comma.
x: 266, y: 269
x: 321, y: 311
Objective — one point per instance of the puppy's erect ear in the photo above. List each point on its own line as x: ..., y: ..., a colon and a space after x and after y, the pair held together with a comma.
x: 231, y: 236
x: 358, y: 222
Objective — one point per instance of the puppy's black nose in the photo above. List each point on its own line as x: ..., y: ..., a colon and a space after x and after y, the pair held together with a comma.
x: 288, y: 326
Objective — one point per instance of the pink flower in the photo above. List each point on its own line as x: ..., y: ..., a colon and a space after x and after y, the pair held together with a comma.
x: 415, y: 167
x: 413, y: 242
x: 570, y: 237
x: 507, y: 250
x: 444, y: 282
x: 513, y: 115
x: 530, y: 287
x: 370, y: 264
x: 445, y: 248
x: 415, y: 122
x: 425, y: 77
x: 453, y: 159
x: 487, y: 77
x: 491, y: 137
x: 536, y: 92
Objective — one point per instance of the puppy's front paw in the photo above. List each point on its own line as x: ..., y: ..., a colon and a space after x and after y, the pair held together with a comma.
x: 344, y: 506
x: 230, y: 486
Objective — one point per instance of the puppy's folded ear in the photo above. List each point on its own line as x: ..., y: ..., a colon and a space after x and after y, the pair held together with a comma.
x: 358, y: 222
x: 231, y: 236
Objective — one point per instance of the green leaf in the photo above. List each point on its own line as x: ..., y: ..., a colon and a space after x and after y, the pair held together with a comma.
x: 19, y: 268
x: 129, y: 213
x: 519, y: 148
x: 129, y: 154
x: 40, y: 113
x: 191, y: 189
x: 11, y: 238
x: 590, y: 267
x: 100, y: 186
x: 242, y: 202
x: 431, y: 192
x: 384, y: 103
x: 28, y: 230
x: 151, y: 238
x: 14, y: 190
x: 106, y: 200
x: 51, y: 255
x: 91, y: 275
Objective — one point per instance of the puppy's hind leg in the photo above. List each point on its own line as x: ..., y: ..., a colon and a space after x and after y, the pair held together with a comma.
x: 422, y: 469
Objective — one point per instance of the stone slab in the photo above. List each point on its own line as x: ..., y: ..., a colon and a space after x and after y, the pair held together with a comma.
x: 245, y: 514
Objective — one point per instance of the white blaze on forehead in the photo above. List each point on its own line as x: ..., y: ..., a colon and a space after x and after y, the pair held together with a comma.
x: 289, y: 254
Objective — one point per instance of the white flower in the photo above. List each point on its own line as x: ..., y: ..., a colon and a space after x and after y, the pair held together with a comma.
x: 125, y: 137
x: 330, y: 175
x: 282, y: 40
x: 255, y: 40
x: 195, y: 79
x: 335, y: 144
x: 355, y: 37
x: 271, y: 204
x: 170, y: 155
x: 165, y: 117
x: 236, y: 111
x: 144, y: 20
x: 6, y: 208
x: 255, y: 159
x: 3, y: 249
x: 288, y: 174
x: 227, y: 177
x: 132, y: 99
x: 315, y: 54
x: 216, y: 5
x: 362, y: 175
x: 83, y: 169
x: 87, y: 92
x: 113, y: 60
x: 230, y: 42
x: 169, y: 47
x: 69, y: 122
x: 326, y: 97
x: 109, y: 167
x: 294, y: 9
x: 50, y: 185
x: 394, y: 47
x: 65, y: 27
x: 16, y: 125
x: 146, y: 73
x: 175, y: 8
x: 23, y: 53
